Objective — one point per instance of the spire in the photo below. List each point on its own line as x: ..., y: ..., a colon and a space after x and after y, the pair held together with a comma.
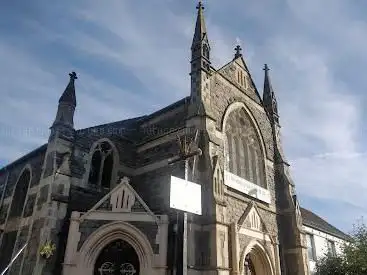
x: 68, y: 97
x: 200, y: 48
x: 238, y: 53
x: 200, y: 28
x: 67, y: 103
x: 269, y: 100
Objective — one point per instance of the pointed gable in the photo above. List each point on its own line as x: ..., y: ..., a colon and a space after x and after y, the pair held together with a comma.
x: 121, y: 199
x: 251, y: 219
x: 237, y: 72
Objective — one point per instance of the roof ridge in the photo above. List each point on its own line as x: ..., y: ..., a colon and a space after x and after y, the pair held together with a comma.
x: 315, y: 223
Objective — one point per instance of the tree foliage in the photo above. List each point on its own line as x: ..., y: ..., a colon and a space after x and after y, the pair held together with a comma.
x: 352, y: 260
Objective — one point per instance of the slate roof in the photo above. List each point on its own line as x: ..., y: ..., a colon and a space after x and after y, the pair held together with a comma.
x: 33, y: 153
x: 131, y: 129
x: 312, y: 220
x: 126, y: 129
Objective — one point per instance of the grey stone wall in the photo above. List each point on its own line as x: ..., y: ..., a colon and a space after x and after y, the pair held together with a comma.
x: 31, y: 252
x: 3, y: 212
x: 21, y: 240
x: 235, y: 209
x: 49, y: 164
x: 154, y: 186
x: 42, y: 198
x: 28, y: 209
x: 149, y: 229
x: 270, y: 221
x: 157, y: 153
x: 202, y: 251
x: 229, y: 72
x: 83, y: 198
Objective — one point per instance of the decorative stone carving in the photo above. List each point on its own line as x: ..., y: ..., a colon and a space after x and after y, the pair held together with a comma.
x: 122, y: 200
x: 252, y: 219
x: 218, y: 181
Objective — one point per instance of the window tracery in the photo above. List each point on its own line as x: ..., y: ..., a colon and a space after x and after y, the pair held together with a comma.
x: 244, y: 155
x: 101, y: 167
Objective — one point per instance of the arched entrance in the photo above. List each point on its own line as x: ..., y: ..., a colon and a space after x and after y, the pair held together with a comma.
x: 249, y: 266
x: 113, y: 248
x: 256, y: 260
x: 117, y: 258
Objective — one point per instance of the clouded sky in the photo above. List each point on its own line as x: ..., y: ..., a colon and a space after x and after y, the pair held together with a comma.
x: 132, y: 58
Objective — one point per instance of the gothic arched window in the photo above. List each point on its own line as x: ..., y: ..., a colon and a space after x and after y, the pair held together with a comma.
x: 101, y: 166
x: 20, y: 194
x: 244, y: 156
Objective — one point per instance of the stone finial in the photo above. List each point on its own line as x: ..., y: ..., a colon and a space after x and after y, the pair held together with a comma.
x: 200, y: 5
x: 238, y: 50
x: 73, y: 76
x: 266, y: 68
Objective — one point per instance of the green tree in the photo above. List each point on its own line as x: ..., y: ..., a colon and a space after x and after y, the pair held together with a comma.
x: 352, y: 260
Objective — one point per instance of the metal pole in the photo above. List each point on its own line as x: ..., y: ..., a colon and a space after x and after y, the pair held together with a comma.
x: 12, y: 261
x: 184, y: 240
x: 183, y: 157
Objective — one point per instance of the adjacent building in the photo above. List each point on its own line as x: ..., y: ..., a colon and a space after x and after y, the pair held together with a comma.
x: 322, y: 238
x: 101, y: 195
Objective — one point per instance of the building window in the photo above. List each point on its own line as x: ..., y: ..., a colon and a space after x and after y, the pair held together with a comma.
x: 101, y: 168
x: 331, y: 248
x: 20, y: 194
x: 244, y: 155
x: 310, y: 247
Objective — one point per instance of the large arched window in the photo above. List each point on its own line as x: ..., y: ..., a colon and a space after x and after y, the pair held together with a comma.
x: 101, y: 166
x: 244, y: 156
x: 20, y: 194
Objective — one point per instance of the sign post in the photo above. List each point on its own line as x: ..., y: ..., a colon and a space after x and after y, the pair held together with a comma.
x: 178, y: 200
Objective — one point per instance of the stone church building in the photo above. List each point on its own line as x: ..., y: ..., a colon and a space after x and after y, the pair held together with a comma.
x: 99, y: 198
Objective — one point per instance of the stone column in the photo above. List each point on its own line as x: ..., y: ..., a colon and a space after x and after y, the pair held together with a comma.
x: 72, y: 244
x: 235, y: 249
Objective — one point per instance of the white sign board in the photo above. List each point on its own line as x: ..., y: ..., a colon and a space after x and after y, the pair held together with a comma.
x: 185, y: 195
x: 246, y: 187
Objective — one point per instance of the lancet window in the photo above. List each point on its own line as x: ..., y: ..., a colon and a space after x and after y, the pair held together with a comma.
x: 101, y: 167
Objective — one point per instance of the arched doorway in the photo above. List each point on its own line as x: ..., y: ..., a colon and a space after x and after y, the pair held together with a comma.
x: 249, y: 266
x: 256, y: 260
x: 117, y: 258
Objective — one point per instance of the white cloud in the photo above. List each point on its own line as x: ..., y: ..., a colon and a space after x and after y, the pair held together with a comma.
x: 320, y: 111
